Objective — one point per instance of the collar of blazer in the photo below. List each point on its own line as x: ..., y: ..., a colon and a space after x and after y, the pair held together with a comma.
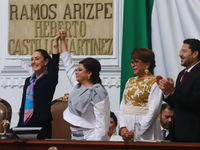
x: 194, y: 70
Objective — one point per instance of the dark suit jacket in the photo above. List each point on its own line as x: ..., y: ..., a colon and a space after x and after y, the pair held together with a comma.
x: 43, y: 94
x: 186, y: 103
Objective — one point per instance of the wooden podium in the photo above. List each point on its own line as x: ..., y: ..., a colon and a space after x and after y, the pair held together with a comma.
x: 92, y: 145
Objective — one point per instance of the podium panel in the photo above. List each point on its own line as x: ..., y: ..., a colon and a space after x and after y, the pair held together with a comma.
x: 92, y: 145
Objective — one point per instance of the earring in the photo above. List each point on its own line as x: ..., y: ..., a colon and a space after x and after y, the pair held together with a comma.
x: 146, y: 71
x: 88, y: 77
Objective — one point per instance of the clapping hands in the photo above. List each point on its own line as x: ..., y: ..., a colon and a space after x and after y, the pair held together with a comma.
x: 167, y: 86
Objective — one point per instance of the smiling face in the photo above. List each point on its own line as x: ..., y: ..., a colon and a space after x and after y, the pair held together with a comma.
x: 82, y: 74
x: 38, y: 63
x: 138, y: 67
x: 188, y: 58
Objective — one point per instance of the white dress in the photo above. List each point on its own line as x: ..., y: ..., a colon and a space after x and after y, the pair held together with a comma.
x: 116, y: 137
x: 150, y: 126
x: 94, y: 122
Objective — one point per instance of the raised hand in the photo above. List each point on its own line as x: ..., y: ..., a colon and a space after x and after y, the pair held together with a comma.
x: 63, y: 34
x: 57, y: 37
x: 167, y: 86
x: 158, y: 79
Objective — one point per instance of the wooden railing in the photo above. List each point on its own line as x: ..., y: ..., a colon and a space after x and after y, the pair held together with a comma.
x: 92, y: 145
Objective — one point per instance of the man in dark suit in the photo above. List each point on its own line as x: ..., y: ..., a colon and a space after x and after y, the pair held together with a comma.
x: 185, y: 96
x: 166, y: 119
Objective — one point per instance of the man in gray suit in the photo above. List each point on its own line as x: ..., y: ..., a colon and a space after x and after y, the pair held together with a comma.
x: 185, y: 96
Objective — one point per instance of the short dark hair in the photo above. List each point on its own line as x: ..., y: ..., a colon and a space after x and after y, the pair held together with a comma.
x: 164, y: 106
x: 45, y: 56
x: 93, y: 66
x: 112, y: 115
x: 194, y: 45
x: 144, y: 54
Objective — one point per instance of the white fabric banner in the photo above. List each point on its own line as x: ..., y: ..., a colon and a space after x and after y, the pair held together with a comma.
x: 172, y: 22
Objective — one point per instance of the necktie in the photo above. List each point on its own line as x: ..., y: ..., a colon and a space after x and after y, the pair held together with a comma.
x: 164, y: 133
x: 183, y: 78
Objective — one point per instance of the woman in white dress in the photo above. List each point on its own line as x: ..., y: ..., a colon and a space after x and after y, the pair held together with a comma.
x: 88, y: 109
x: 141, y: 100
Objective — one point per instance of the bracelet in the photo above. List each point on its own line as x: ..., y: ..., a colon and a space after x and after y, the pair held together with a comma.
x: 55, y: 46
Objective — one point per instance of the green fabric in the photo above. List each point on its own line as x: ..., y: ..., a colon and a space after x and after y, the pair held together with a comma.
x: 136, y: 33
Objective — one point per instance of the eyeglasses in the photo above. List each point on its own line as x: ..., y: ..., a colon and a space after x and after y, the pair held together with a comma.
x: 135, y: 62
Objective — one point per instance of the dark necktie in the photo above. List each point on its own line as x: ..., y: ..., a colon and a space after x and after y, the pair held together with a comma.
x: 183, y: 78
x: 163, y: 133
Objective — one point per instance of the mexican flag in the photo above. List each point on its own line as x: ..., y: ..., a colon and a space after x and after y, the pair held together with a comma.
x: 160, y: 25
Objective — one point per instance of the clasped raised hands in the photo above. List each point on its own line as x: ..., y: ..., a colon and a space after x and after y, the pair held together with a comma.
x: 61, y: 34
